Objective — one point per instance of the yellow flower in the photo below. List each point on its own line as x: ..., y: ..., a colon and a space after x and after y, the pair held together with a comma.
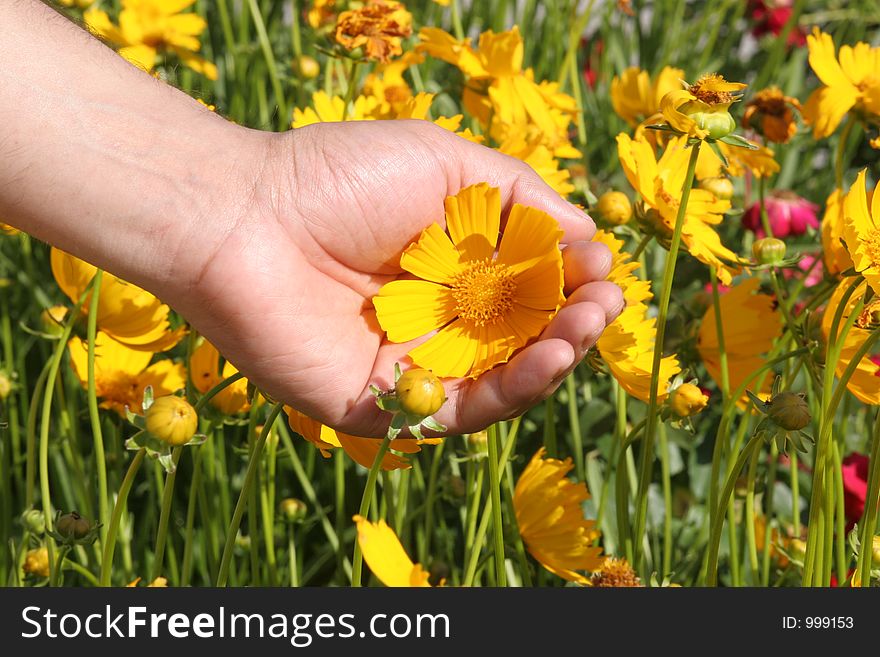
x: 751, y: 322
x: 853, y: 83
x: 126, y: 313
x: 836, y: 258
x: 772, y: 114
x: 205, y: 373
x: 701, y: 109
x: 158, y: 583
x: 635, y: 290
x: 361, y: 450
x: 6, y: 229
x: 36, y: 562
x: 660, y: 183
x: 635, y: 97
x: 861, y: 230
x: 172, y: 420
x: 321, y: 13
x: 615, y: 573
x: 483, y: 305
x: 122, y: 374
x: 865, y: 381
x: 498, y: 89
x: 82, y: 4
x: 540, y: 158
x: 386, y: 557
x: 378, y: 27
x: 551, y: 520
x: 387, y: 85
x: 627, y: 346
x: 147, y: 27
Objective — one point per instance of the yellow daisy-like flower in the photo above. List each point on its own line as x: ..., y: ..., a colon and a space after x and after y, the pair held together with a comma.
x: 861, y: 230
x: 126, y: 313
x: 836, y: 257
x: 853, y: 83
x: 386, y: 557
x: 700, y: 105
x: 541, y: 159
x: 484, y: 305
x: 148, y: 27
x: 772, y: 113
x: 321, y: 13
x: 204, y: 370
x: 761, y: 162
x: 660, y: 183
x: 865, y: 381
x: 635, y: 290
x: 378, y: 27
x: 635, y: 97
x: 387, y: 85
x: 627, y: 346
x: 362, y: 450
x: 551, y: 521
x: 498, y: 89
x: 122, y: 374
x: 751, y: 322
x: 615, y: 573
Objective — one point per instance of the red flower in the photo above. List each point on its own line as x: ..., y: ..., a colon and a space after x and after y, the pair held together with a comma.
x: 789, y: 214
x: 770, y: 16
x: 591, y: 63
x: 855, y: 487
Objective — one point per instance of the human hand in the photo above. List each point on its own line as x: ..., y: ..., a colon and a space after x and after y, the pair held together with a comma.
x: 285, y: 291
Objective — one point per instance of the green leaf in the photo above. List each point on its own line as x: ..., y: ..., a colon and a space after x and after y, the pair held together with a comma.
x: 741, y: 142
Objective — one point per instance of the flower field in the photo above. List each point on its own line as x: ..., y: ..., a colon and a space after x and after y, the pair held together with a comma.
x: 723, y: 431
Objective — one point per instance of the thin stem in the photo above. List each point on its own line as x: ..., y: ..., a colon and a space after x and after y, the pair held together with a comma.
x: 165, y: 514
x: 647, y: 460
x: 118, y: 508
x: 357, y: 560
x: 266, y: 47
x: 574, y: 422
x: 841, y: 151
x: 220, y: 387
x: 868, y: 522
x: 352, y: 85
x: 242, y: 503
x: 495, y: 496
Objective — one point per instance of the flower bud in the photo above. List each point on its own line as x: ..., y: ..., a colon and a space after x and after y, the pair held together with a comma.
x: 419, y: 393
x: 615, y: 208
x: 34, y: 521
x: 293, y: 510
x: 36, y: 562
x: 789, y: 410
x: 769, y: 251
x: 5, y: 385
x: 52, y: 320
x: 73, y: 526
x: 477, y: 443
x: 717, y: 121
x: 721, y: 187
x: 687, y: 400
x: 307, y: 67
x: 172, y: 420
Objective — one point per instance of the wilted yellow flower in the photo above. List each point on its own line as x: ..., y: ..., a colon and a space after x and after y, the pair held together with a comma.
x: 36, y: 562
x: 660, y: 182
x: 853, y: 83
x: 386, y: 557
x: 701, y: 109
x: 865, y: 381
x: 772, y: 113
x: 615, y: 573
x: 204, y: 371
x: 635, y: 97
x: 485, y: 305
x: 126, y: 313
x: 147, y: 27
x: 378, y: 27
x: 122, y: 374
x: 836, y: 257
x: 627, y: 346
x: 551, y: 521
x: 498, y: 88
x: 687, y: 400
x: 861, y: 230
x: 361, y: 450
x: 751, y: 322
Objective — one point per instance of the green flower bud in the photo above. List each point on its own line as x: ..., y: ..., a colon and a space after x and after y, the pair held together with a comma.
x: 477, y: 443
x: 769, y: 250
x: 293, y: 510
x: 789, y: 410
x: 34, y: 521
x: 720, y: 187
x: 718, y: 122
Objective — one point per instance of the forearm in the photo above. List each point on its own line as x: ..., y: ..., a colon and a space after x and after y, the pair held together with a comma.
x: 106, y: 162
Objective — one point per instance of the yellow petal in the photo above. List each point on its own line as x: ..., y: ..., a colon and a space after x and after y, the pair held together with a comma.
x: 407, y: 310
x: 386, y: 557
x: 473, y: 218
x: 449, y: 353
x: 433, y: 257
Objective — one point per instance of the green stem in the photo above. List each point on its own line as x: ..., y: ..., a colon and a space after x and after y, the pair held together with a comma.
x: 751, y: 543
x: 242, y: 503
x: 495, y: 496
x: 667, y: 502
x: 352, y: 86
x: 220, y: 387
x: 118, y: 508
x: 841, y: 151
x: 165, y: 514
x: 868, y: 522
x: 574, y: 421
x: 94, y: 416
x: 266, y: 47
x: 647, y: 459
x: 194, y: 487
x: 357, y: 560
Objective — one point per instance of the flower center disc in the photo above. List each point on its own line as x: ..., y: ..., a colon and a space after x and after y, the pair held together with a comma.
x: 483, y: 292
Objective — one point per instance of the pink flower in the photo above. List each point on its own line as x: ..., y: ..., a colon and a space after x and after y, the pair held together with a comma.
x: 789, y: 214
x: 855, y: 487
x: 770, y: 16
x: 806, y: 264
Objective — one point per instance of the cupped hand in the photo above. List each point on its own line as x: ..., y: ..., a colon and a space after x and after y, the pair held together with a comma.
x: 285, y: 293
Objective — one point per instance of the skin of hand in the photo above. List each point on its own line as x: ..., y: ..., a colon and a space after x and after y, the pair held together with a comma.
x: 271, y: 245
